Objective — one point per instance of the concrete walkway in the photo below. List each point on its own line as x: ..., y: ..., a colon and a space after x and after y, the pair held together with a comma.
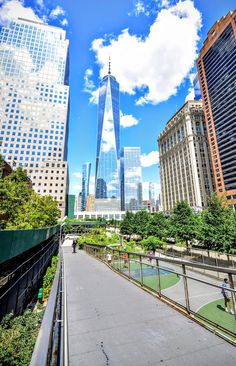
x: 112, y: 322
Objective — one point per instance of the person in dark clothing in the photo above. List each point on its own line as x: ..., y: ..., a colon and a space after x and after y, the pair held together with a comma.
x: 74, y: 246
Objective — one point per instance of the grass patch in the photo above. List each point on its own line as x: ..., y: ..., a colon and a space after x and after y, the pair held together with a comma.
x: 149, y: 275
x: 215, y: 311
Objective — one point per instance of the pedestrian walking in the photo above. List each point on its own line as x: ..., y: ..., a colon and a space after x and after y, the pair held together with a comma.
x: 74, y: 246
x: 109, y: 257
x: 227, y: 296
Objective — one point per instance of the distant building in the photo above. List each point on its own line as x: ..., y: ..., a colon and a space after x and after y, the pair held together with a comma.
x: 90, y: 203
x: 70, y: 206
x: 147, y: 205
x: 86, y: 168
x: 185, y: 166
x: 197, y: 89
x: 131, y: 179
x: 107, y: 175
x: 151, y: 193
x: 78, y: 202
x: 34, y: 105
x: 217, y: 75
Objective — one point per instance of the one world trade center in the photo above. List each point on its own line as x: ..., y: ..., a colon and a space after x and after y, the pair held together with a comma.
x: 107, y: 175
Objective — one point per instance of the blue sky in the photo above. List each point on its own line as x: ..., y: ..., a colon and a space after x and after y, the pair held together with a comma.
x: 153, y: 46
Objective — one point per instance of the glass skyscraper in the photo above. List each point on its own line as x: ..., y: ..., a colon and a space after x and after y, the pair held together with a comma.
x: 131, y: 179
x: 34, y: 103
x: 86, y: 168
x: 107, y: 175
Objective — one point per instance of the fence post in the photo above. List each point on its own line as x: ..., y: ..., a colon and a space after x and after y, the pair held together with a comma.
x: 141, y: 270
x: 158, y: 278
x: 129, y: 265
x: 231, y: 284
x: 186, y: 288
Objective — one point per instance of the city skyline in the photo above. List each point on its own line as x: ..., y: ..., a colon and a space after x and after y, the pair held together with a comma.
x: 123, y: 29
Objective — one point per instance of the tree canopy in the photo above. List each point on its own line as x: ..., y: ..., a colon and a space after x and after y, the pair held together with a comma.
x: 21, y: 207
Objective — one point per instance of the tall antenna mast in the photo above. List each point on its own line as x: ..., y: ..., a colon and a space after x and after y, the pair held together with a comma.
x: 109, y: 66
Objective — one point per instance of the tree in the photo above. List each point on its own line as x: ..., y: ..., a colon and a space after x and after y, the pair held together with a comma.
x: 21, y: 207
x: 158, y: 225
x: 14, y: 192
x: 217, y: 229
x: 127, y: 224
x: 151, y: 243
x: 184, y: 222
x: 141, y: 221
x: 37, y: 211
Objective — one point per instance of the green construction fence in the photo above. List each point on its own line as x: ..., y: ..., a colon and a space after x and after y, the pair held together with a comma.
x: 15, y: 242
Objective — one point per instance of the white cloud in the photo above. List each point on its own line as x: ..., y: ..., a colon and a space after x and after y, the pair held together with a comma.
x: 169, y: 52
x: 77, y: 175
x: 190, y: 95
x: 157, y: 189
x: 57, y: 11
x: 40, y: 3
x: 139, y: 7
x: 64, y: 22
x: 76, y: 188
x: 128, y: 120
x: 149, y: 159
x: 13, y: 9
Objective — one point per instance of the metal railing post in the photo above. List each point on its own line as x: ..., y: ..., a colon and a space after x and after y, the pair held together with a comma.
x: 141, y: 270
x: 129, y: 264
x: 186, y: 288
x: 158, y: 278
x: 231, y: 284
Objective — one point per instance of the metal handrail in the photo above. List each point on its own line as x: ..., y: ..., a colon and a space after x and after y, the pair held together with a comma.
x: 171, y: 260
x: 99, y: 252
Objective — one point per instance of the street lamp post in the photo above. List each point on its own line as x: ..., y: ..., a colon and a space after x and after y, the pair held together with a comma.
x: 62, y: 224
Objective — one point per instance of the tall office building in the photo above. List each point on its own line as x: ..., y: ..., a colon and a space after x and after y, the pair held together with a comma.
x: 131, y: 179
x: 34, y: 104
x: 107, y: 175
x: 217, y: 74
x: 86, y: 168
x: 151, y: 194
x: 185, y: 167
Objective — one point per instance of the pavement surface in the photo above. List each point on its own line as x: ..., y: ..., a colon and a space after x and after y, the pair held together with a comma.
x: 112, y: 322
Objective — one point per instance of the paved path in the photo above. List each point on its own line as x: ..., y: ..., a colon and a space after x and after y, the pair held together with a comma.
x: 112, y: 322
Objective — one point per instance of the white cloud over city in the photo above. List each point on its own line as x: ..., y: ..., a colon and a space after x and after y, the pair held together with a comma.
x: 170, y: 52
x: 13, y: 9
x: 149, y: 159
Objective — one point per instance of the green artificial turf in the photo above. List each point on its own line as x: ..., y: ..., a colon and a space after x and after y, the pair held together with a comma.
x: 167, y: 280
x: 215, y: 311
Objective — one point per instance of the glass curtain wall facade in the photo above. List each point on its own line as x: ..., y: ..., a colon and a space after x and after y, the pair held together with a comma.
x: 34, y: 104
x: 107, y: 175
x: 86, y: 168
x: 131, y: 179
x: 217, y: 75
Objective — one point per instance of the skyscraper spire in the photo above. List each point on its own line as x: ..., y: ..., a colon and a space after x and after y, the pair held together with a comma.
x: 109, y: 66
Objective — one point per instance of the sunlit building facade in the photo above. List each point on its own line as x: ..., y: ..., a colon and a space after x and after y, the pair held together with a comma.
x: 131, y: 179
x: 34, y: 104
x: 217, y: 75
x: 86, y: 168
x: 107, y: 175
x: 185, y: 166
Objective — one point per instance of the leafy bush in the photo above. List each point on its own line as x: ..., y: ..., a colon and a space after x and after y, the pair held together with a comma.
x: 151, y: 243
x: 18, y: 336
x: 98, y: 236
x: 49, y: 277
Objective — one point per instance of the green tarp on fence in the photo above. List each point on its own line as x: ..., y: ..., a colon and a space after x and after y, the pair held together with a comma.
x: 15, y: 242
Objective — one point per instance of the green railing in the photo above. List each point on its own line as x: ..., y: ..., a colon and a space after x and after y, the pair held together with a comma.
x: 15, y: 242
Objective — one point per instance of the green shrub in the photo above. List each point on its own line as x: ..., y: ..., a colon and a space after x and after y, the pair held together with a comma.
x: 49, y: 277
x: 18, y: 336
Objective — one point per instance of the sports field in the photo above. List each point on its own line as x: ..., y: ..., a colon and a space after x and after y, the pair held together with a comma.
x: 149, y: 273
x: 215, y: 311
